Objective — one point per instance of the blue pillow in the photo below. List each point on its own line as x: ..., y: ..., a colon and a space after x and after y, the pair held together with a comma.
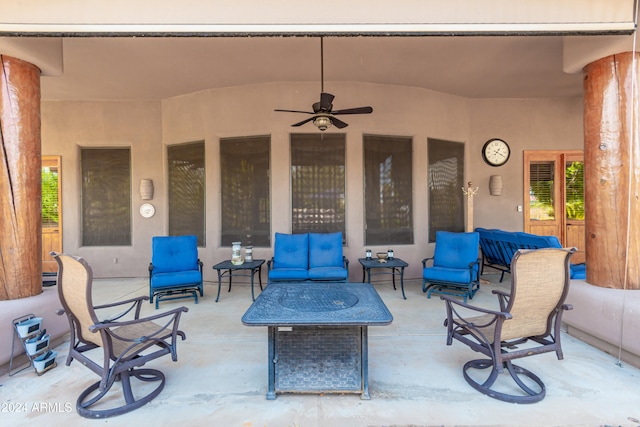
x: 291, y: 251
x: 456, y: 250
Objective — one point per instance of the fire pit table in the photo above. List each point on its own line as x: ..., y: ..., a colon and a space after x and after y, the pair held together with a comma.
x: 317, y: 335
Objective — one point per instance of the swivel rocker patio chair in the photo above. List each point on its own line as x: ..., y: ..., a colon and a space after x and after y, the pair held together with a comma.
x: 175, y: 272
x: 126, y: 345
x: 455, y: 265
x: 527, y: 324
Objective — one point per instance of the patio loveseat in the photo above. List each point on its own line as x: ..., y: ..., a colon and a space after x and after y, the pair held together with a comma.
x: 308, y: 256
x: 499, y: 246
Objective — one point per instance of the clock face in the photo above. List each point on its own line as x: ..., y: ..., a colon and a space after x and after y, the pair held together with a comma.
x: 496, y: 152
x: 147, y: 210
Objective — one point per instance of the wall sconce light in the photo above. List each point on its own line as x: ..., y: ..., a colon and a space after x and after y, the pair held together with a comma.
x: 146, y: 189
x: 495, y: 185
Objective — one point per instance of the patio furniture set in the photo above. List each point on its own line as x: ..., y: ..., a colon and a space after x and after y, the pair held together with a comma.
x: 317, y: 322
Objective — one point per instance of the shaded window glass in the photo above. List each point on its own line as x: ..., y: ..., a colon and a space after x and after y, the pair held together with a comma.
x: 318, y: 183
x: 187, y: 190
x: 245, y: 197
x: 106, y: 196
x: 388, y: 170
x: 446, y: 176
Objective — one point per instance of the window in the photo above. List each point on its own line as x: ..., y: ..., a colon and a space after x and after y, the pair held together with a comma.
x: 388, y: 190
x: 244, y: 168
x: 318, y: 183
x: 187, y: 190
x: 541, y: 191
x: 446, y: 176
x: 106, y: 196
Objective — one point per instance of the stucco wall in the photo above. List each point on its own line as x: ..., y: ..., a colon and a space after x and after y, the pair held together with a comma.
x: 248, y: 110
x: 531, y: 124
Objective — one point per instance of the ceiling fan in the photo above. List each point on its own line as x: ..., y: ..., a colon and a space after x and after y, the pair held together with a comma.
x: 323, y: 114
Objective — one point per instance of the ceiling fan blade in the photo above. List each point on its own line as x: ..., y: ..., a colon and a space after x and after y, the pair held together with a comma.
x: 303, y: 122
x: 338, y: 123
x: 294, y: 111
x: 358, y: 110
x: 325, y: 101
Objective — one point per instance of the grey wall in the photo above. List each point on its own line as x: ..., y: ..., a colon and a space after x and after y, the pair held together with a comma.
x: 209, y: 115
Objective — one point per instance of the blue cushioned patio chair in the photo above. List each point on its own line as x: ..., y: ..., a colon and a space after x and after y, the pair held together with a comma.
x: 175, y: 271
x: 455, y: 265
x: 326, y: 261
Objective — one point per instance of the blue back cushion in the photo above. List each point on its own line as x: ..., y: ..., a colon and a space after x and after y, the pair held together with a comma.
x: 291, y: 251
x: 455, y: 250
x: 325, y: 250
x: 174, y: 253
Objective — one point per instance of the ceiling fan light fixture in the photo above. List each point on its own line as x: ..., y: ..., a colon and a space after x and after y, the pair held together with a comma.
x: 322, y: 122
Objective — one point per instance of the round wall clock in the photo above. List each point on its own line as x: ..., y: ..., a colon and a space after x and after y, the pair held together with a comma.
x: 496, y: 152
x: 147, y: 210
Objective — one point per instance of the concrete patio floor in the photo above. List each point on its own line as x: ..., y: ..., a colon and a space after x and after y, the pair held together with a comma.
x: 415, y: 379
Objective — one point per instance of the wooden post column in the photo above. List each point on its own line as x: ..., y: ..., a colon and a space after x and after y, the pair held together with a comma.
x: 612, y: 172
x: 20, y: 180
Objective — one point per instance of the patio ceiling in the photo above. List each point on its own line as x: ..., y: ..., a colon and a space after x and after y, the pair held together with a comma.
x: 153, y: 68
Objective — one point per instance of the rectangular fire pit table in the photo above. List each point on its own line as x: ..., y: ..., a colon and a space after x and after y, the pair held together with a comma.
x: 317, y: 335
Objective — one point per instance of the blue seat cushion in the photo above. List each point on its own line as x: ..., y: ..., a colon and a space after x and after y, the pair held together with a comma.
x: 290, y: 274
x: 444, y: 274
x: 174, y: 253
x: 169, y: 280
x: 325, y: 250
x: 328, y: 273
x: 291, y: 251
x: 456, y: 250
x: 579, y: 271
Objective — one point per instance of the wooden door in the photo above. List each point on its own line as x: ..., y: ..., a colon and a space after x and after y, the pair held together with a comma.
x: 51, y: 211
x: 554, y: 200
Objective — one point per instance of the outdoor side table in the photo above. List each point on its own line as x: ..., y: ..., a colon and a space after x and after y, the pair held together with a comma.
x: 317, y: 335
x: 247, y: 269
x: 396, y: 265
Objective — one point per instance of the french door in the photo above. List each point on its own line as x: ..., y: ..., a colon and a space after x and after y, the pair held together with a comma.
x: 554, y: 197
x: 51, y: 211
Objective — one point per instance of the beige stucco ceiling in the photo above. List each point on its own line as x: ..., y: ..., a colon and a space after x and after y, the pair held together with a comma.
x: 157, y: 68
x: 146, y: 49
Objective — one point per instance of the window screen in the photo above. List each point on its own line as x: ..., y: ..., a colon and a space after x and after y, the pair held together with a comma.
x: 244, y: 168
x: 318, y: 183
x: 388, y: 190
x: 106, y: 196
x: 187, y: 190
x: 446, y: 176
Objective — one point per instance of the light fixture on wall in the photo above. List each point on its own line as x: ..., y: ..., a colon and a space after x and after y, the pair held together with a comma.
x: 495, y: 185
x: 146, y: 189
x: 322, y: 122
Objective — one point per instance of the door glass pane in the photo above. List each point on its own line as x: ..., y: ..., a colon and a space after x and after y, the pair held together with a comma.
x: 50, y: 217
x: 541, y: 202
x: 574, y: 179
